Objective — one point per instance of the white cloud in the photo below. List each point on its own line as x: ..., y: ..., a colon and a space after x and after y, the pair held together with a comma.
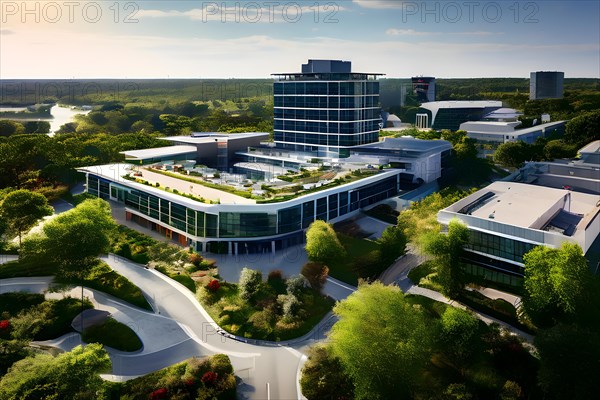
x: 407, y: 32
x: 380, y: 4
x: 412, y: 32
x: 90, y: 55
x: 249, y: 13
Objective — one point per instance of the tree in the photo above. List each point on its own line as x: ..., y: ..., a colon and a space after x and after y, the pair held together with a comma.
x: 512, y: 154
x: 316, y: 274
x: 459, y: 335
x: 323, y: 376
x: 583, y: 129
x: 559, y: 149
x: 71, y: 375
x: 556, y: 281
x: 393, y: 244
x: 250, y: 281
x: 382, y: 341
x: 570, y: 358
x: 322, y: 243
x: 8, y: 128
x: 447, y: 250
x: 21, y: 209
x: 74, y: 239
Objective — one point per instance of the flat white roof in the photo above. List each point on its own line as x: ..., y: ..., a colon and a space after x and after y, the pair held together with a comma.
x: 593, y: 147
x: 523, y: 205
x: 436, y: 105
x: 210, y: 137
x: 158, y: 152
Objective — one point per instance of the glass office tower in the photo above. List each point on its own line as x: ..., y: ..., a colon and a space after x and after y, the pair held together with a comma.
x: 326, y: 109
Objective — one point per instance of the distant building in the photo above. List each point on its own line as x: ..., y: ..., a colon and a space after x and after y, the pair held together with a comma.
x: 503, y: 115
x: 440, y: 115
x: 326, y: 109
x: 502, y: 132
x: 424, y: 88
x: 546, y: 85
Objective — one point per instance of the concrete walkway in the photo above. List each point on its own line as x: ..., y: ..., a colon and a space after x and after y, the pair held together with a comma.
x: 4, y: 258
x: 156, y: 332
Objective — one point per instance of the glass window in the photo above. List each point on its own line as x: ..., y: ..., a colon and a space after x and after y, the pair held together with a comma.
x: 322, y: 209
x: 211, y: 225
x: 308, y: 214
x: 333, y: 206
x: 289, y: 220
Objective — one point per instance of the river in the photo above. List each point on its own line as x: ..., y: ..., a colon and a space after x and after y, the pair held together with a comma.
x: 61, y: 114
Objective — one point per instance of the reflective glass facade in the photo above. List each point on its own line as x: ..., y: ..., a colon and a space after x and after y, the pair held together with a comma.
x: 220, y: 222
x: 508, y: 249
x: 318, y: 115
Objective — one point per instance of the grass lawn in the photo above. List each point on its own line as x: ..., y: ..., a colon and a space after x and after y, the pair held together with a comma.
x: 15, y: 269
x: 104, y: 279
x: 425, y: 276
x: 47, y: 320
x: 185, y: 280
x: 355, y: 248
x: 13, y: 303
x: 113, y: 334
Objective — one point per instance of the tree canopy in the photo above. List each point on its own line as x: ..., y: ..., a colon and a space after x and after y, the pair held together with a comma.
x: 71, y: 375
x: 447, y: 250
x: 21, y: 209
x: 555, y: 281
x: 322, y: 243
x: 583, y: 128
x: 381, y: 340
x: 74, y: 238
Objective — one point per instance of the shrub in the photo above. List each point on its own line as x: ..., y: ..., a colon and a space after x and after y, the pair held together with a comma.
x: 209, y: 378
x: 195, y: 259
x: 290, y: 305
x: 213, y: 285
x: 316, y: 274
x: 276, y: 281
x: 249, y: 284
x: 4, y: 324
x: 275, y: 275
x: 159, y: 394
x: 295, y: 284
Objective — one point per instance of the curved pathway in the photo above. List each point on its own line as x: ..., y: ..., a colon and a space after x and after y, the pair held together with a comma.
x: 267, y: 371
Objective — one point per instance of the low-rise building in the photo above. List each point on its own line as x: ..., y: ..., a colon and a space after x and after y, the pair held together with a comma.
x: 507, y: 219
x: 543, y: 204
x: 440, y: 115
x: 502, y: 132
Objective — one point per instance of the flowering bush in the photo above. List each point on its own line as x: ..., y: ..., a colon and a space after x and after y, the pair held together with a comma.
x: 4, y: 324
x: 190, y: 382
x: 159, y: 394
x: 209, y: 378
x: 214, y: 285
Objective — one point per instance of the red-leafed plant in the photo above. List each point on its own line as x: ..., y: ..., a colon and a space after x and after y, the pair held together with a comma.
x: 214, y: 285
x: 159, y: 394
x: 4, y: 324
x: 209, y: 378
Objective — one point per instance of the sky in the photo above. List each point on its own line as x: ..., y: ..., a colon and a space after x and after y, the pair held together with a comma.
x: 253, y: 39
